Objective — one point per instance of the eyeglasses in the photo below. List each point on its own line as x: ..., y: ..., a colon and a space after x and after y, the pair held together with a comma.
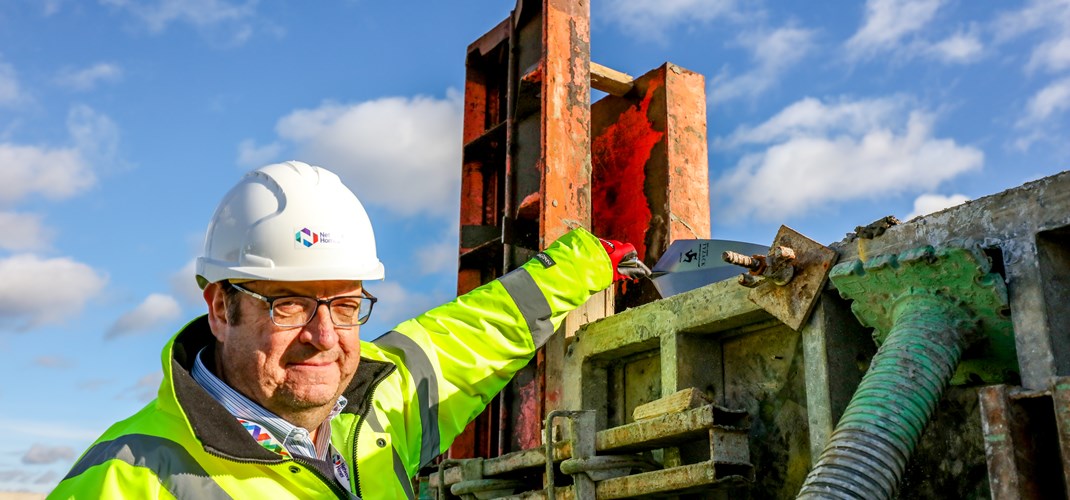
x: 295, y: 311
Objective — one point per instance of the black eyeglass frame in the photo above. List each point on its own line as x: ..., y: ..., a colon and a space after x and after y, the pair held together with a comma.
x: 270, y: 301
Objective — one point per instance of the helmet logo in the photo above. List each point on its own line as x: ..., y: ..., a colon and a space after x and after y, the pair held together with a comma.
x: 307, y: 237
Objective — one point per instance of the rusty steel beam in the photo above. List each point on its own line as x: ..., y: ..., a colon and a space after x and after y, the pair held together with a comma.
x: 528, y: 176
x: 1060, y: 396
x: 483, y: 157
x: 650, y: 162
x: 1024, y: 461
x: 483, y: 176
x: 650, y: 166
x: 525, y: 177
x: 548, y: 186
x: 566, y: 141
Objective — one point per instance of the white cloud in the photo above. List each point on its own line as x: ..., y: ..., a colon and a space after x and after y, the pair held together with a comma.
x: 50, y: 7
x: 810, y: 116
x: 10, y: 90
x: 402, y: 154
x: 962, y: 47
x: 29, y: 295
x: 184, y: 285
x: 53, y: 362
x: 252, y: 155
x: 651, y: 19
x: 26, y: 230
x: 94, y: 135
x: 1052, y: 99
x: 397, y: 304
x: 887, y: 22
x: 931, y: 203
x: 48, y: 477
x: 1036, y: 123
x: 233, y: 21
x: 59, y: 172
x: 55, y: 173
x: 437, y: 257
x: 899, y: 28
x: 817, y: 154
x: 93, y: 384
x: 1049, y: 17
x: 23, y: 477
x: 39, y: 454
x: 773, y: 52
x: 88, y: 78
x: 52, y: 430
x: 145, y: 389
x: 155, y: 311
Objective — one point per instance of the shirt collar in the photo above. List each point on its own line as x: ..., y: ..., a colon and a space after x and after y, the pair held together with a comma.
x: 294, y: 439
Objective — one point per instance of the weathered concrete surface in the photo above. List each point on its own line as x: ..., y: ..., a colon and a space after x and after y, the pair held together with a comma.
x: 1025, y: 228
x: 795, y: 386
x: 949, y: 461
x: 716, y: 340
x: 717, y: 308
x: 837, y: 350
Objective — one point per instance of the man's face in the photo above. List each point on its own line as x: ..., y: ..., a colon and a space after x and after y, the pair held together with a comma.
x: 286, y: 369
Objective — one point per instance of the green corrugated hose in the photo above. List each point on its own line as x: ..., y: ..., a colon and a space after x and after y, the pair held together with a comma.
x: 868, y: 452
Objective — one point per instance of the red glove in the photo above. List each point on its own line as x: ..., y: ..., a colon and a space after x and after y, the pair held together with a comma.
x: 625, y: 261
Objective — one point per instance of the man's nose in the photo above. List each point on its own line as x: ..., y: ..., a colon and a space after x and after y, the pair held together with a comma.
x: 320, y: 331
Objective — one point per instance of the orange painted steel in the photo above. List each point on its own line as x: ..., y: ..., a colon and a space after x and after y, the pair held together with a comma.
x: 528, y: 177
x: 650, y: 172
x: 525, y: 177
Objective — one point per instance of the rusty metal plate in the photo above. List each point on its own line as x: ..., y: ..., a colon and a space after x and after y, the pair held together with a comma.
x: 793, y: 302
x: 1060, y: 396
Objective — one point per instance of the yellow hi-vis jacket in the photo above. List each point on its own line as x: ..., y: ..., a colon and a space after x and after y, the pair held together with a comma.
x: 415, y: 390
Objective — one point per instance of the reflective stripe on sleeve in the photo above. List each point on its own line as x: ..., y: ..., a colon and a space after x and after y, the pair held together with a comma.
x: 177, y: 471
x: 399, y: 467
x: 423, y: 375
x: 531, y: 302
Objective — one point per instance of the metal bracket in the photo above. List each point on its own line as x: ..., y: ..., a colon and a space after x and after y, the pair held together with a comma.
x: 482, y: 489
x: 605, y: 467
x: 788, y: 283
x: 581, y: 431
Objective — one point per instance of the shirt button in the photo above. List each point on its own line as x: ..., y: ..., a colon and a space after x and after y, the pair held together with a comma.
x: 381, y: 442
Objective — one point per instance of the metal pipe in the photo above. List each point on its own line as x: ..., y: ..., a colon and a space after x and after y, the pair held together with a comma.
x: 868, y: 452
x: 754, y: 263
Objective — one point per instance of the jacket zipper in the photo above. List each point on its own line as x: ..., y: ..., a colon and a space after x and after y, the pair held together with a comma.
x: 360, y: 423
x: 338, y: 491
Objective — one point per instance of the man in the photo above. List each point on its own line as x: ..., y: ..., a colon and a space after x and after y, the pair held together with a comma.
x: 273, y: 395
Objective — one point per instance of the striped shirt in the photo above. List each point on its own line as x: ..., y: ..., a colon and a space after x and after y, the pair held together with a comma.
x: 256, y: 419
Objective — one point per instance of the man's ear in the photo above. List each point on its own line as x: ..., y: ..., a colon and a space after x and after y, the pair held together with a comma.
x: 216, y: 299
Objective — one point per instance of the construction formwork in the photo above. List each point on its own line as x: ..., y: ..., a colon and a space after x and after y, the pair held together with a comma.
x: 914, y: 360
x: 726, y: 400
x: 539, y: 160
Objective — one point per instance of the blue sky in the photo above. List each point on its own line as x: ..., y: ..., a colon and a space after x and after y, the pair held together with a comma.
x: 122, y: 123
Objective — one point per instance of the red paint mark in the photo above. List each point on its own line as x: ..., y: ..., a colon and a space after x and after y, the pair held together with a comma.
x: 528, y: 426
x: 529, y: 207
x: 619, y: 156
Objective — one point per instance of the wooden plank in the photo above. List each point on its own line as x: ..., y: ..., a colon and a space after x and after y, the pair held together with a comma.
x: 610, y: 81
x: 687, y: 478
x: 677, y: 402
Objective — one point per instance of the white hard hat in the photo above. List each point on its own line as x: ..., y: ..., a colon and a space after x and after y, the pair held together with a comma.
x: 289, y: 222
